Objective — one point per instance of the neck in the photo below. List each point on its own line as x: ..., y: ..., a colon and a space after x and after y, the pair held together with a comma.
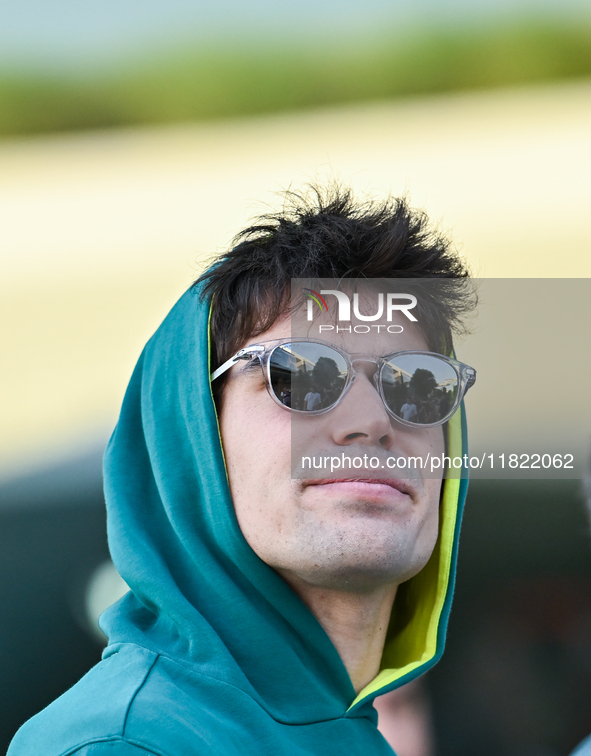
x: 356, y: 623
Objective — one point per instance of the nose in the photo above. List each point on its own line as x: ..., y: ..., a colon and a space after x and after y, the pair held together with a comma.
x: 361, y: 417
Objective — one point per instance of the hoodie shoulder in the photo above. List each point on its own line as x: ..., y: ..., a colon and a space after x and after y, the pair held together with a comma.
x: 90, y: 718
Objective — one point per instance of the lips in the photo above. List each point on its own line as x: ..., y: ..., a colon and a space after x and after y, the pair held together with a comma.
x: 403, y: 486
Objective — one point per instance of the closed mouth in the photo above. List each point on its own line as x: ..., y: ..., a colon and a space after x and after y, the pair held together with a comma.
x: 402, y: 486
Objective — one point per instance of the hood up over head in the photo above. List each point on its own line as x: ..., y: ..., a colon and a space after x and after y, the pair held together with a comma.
x: 199, y: 594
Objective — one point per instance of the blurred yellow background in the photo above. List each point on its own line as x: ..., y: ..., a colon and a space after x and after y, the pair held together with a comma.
x: 102, y: 231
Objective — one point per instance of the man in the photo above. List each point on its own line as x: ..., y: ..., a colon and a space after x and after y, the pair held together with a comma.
x: 313, y: 400
x: 409, y: 411
x: 269, y: 605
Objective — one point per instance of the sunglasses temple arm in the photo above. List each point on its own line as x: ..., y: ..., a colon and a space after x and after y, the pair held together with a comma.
x: 242, y: 354
x: 222, y: 368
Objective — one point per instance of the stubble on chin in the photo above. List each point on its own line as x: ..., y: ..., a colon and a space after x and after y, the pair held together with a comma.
x: 352, y: 547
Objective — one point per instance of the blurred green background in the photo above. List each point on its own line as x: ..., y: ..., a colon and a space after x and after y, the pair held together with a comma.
x: 73, y: 75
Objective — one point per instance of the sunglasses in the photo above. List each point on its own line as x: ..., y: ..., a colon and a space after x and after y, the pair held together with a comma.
x: 419, y: 389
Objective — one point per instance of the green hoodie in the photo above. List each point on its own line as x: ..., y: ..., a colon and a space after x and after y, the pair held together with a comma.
x: 211, y: 652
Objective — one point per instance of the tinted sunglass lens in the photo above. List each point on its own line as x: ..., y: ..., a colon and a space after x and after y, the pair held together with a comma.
x: 419, y: 388
x: 307, y: 376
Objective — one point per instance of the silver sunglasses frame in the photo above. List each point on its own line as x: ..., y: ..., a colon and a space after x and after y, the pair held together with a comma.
x: 264, y: 351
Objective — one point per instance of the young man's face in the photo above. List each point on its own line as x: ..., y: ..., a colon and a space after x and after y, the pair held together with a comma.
x: 350, y: 534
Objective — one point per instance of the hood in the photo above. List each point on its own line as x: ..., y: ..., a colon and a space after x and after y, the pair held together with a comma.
x: 199, y: 594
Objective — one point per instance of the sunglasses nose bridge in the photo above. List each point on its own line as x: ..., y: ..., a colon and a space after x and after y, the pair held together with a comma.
x: 365, y: 359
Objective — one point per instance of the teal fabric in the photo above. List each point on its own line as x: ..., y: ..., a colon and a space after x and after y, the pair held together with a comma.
x: 210, y: 652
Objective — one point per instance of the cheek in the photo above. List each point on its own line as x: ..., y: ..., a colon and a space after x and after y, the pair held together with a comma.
x: 438, y: 440
x: 434, y: 445
x: 256, y: 436
x: 429, y: 441
x: 257, y: 446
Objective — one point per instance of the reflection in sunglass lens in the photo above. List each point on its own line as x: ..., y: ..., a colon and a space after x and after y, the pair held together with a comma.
x: 420, y: 388
x: 307, y: 376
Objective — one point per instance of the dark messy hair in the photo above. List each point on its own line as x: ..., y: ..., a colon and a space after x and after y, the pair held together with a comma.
x: 328, y: 234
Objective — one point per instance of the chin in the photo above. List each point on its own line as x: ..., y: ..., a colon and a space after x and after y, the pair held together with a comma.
x: 355, y: 577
